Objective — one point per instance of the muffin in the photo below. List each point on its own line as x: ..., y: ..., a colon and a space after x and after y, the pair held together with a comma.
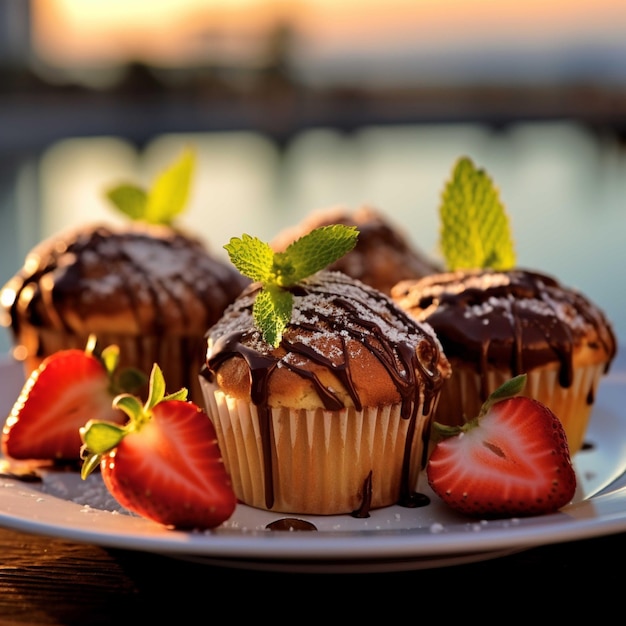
x: 151, y: 290
x: 494, y: 325
x: 382, y: 256
x: 335, y: 418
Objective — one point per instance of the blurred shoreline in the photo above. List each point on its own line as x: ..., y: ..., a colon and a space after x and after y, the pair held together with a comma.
x: 300, y: 106
x: 143, y: 103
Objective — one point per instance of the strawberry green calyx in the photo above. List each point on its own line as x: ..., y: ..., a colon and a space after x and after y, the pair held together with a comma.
x: 279, y: 271
x: 512, y: 460
x: 475, y: 231
x: 100, y: 437
x: 165, y: 200
x: 129, y: 379
x: 508, y: 389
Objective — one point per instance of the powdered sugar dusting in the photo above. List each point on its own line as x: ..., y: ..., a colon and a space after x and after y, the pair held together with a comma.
x: 90, y: 493
x: 321, y: 299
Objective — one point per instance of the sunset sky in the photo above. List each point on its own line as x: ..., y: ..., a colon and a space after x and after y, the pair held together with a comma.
x: 170, y: 32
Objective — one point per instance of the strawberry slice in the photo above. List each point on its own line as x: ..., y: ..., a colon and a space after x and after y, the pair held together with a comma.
x: 511, y: 460
x: 68, y: 387
x: 165, y: 463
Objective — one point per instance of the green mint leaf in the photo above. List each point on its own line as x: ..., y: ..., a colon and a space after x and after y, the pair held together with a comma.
x: 272, y: 312
x: 129, y: 199
x: 164, y: 201
x: 278, y: 271
x: 475, y: 231
x: 313, y: 252
x: 251, y: 256
x: 170, y: 192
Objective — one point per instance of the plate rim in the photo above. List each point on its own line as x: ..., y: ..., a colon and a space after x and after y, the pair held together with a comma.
x: 601, y: 514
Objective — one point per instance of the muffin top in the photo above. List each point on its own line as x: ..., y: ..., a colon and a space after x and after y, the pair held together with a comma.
x: 517, y: 319
x: 138, y: 280
x: 382, y: 256
x: 346, y: 345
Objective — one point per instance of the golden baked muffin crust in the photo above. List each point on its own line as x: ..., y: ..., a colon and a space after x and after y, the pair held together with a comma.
x: 494, y: 325
x: 518, y: 319
x: 349, y: 363
x: 382, y: 256
x: 346, y: 345
x: 138, y: 286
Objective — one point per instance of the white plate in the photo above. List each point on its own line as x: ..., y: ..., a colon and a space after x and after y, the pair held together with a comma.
x: 392, y: 539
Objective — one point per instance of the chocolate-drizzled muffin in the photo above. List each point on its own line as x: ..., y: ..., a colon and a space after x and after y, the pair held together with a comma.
x: 382, y: 256
x: 149, y: 289
x: 495, y: 324
x: 333, y: 420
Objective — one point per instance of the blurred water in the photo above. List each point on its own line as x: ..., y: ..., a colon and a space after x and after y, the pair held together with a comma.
x: 564, y: 189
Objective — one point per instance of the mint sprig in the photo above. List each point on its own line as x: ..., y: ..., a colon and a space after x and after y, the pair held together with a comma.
x: 475, y: 231
x: 164, y: 200
x: 278, y: 271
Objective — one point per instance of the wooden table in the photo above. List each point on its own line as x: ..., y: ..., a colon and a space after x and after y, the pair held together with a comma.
x: 48, y: 581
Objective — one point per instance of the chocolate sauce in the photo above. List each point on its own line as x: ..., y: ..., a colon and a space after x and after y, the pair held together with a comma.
x: 366, y: 500
x: 291, y: 524
x: 517, y: 320
x: 166, y: 283
x: 17, y: 471
x: 95, y: 270
x: 333, y: 305
x: 382, y: 255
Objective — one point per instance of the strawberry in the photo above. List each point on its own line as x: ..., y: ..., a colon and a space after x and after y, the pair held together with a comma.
x: 68, y: 387
x: 164, y: 463
x: 510, y: 460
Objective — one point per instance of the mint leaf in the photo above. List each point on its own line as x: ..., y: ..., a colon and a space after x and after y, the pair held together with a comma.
x: 313, y: 252
x: 165, y: 200
x: 129, y: 199
x: 272, y: 312
x: 475, y: 230
x: 278, y: 271
x: 251, y: 256
x: 170, y: 192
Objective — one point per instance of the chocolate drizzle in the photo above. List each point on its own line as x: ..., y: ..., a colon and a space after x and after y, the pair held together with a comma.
x: 516, y: 320
x: 149, y: 283
x: 332, y: 315
x: 382, y: 255
x: 160, y: 277
x: 366, y: 501
x: 291, y: 524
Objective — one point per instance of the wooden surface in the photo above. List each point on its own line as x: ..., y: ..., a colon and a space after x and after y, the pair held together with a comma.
x: 47, y: 581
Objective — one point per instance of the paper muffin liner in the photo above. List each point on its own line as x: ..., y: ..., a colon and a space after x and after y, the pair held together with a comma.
x: 461, y: 399
x: 180, y: 358
x: 320, y: 460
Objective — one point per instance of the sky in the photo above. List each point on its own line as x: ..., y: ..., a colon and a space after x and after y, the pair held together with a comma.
x: 170, y: 32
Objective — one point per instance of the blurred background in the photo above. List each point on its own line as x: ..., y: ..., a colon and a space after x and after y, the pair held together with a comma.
x: 297, y: 105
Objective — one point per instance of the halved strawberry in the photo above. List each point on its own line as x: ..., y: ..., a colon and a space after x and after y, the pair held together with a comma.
x: 165, y: 463
x: 511, y: 460
x: 68, y: 388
